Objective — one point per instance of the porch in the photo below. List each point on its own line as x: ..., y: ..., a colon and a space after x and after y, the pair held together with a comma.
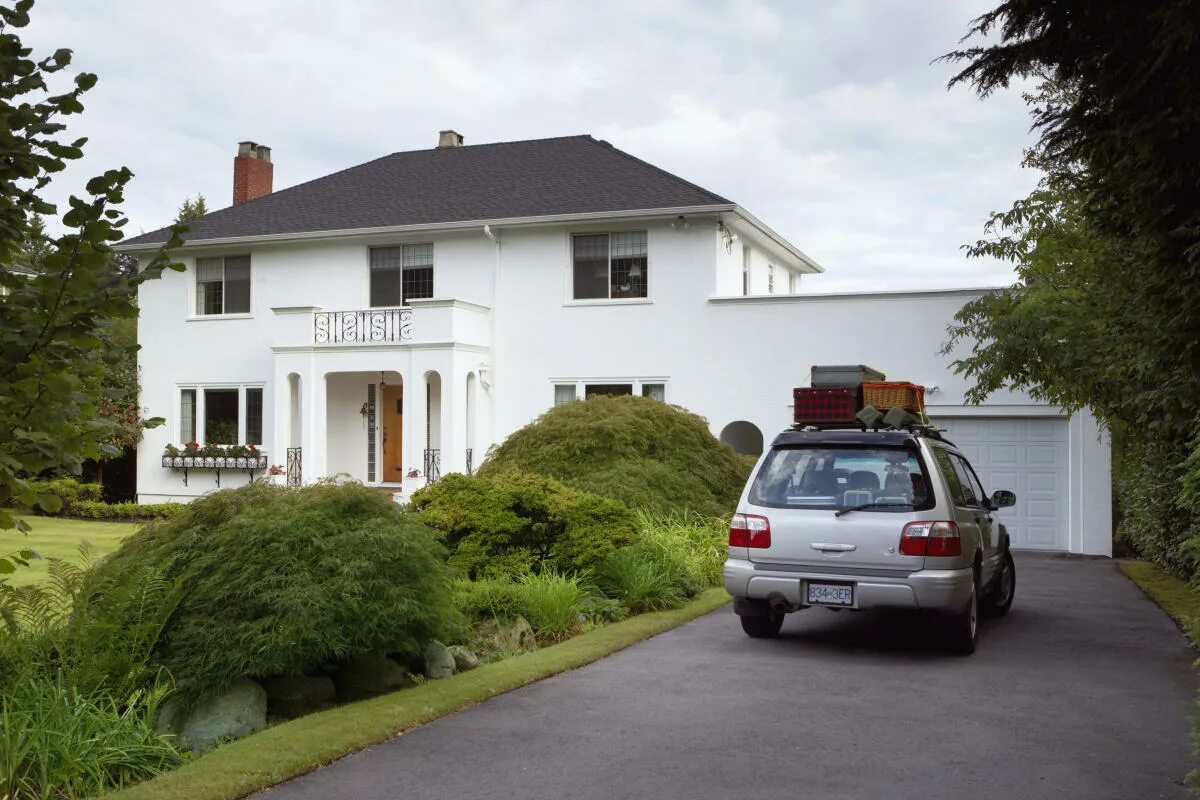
x: 401, y: 426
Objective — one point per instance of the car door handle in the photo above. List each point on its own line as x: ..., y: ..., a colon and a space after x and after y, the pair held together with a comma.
x: 833, y: 548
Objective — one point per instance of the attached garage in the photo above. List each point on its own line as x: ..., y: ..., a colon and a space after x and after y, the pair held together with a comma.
x: 1032, y: 458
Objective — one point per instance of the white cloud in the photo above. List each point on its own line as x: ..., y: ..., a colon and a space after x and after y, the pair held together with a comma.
x: 828, y: 121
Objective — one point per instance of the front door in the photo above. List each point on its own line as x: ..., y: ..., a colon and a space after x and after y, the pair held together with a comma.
x: 392, y: 412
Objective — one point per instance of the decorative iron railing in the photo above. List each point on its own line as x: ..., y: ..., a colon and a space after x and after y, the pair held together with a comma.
x: 433, y: 465
x: 470, y: 461
x: 368, y: 326
x: 251, y: 464
x: 295, y: 474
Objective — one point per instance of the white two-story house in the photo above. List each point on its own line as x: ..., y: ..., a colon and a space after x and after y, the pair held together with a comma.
x: 392, y: 321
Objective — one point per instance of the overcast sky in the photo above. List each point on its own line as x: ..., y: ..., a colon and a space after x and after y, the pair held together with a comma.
x: 825, y: 120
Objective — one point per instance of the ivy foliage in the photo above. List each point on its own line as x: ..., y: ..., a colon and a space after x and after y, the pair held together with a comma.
x: 53, y: 318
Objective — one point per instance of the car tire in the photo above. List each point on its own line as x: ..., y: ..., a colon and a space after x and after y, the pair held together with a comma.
x: 962, y: 630
x: 764, y: 627
x: 1000, y: 599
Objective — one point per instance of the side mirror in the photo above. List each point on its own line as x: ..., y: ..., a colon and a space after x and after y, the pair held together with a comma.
x: 1003, y: 498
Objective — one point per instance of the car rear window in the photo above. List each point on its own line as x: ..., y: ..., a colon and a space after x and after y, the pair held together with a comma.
x: 893, y: 478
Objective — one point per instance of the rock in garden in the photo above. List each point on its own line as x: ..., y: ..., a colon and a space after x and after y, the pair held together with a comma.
x: 295, y: 695
x: 464, y: 659
x: 239, y: 710
x: 509, y: 635
x: 439, y: 663
x: 369, y: 675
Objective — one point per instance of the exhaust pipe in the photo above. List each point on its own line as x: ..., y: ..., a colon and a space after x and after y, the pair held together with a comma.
x: 779, y: 604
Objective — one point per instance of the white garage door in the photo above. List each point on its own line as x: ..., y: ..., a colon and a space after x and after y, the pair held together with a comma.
x: 1028, y: 456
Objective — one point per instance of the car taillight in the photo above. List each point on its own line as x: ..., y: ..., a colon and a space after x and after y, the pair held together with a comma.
x: 748, y: 530
x: 934, y: 539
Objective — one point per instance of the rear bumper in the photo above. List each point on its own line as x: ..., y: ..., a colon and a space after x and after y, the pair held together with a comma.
x: 928, y: 589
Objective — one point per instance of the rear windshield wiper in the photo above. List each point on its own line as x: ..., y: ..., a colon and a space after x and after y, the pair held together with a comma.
x: 871, y: 505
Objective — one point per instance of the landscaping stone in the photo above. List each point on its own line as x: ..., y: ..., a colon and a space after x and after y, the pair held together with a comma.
x: 509, y: 635
x: 367, y: 676
x: 239, y: 710
x: 439, y: 663
x: 295, y: 695
x: 464, y: 659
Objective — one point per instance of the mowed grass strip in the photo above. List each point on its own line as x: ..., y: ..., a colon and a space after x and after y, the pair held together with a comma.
x: 53, y: 537
x: 1173, y: 595
x: 302, y: 745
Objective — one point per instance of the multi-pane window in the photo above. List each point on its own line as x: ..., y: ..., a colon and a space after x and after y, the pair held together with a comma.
x: 187, y: 416
x: 564, y: 393
x: 400, y: 274
x: 609, y: 265
x: 770, y: 279
x: 655, y: 391
x: 221, y: 415
x: 223, y: 285
x: 594, y: 389
x: 254, y: 416
x: 567, y: 392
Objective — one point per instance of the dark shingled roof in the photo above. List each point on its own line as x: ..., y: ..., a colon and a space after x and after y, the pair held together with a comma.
x: 539, y: 177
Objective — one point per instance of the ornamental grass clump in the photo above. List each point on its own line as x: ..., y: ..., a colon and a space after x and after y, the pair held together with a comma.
x: 278, y: 581
x: 642, y: 452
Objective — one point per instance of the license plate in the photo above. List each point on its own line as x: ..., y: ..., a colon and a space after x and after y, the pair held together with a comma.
x: 831, y: 594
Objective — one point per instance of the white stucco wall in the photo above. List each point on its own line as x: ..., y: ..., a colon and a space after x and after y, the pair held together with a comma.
x: 721, y: 355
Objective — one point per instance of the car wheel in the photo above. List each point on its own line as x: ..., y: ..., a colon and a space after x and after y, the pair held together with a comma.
x: 963, y: 629
x: 1001, y: 598
x: 764, y: 627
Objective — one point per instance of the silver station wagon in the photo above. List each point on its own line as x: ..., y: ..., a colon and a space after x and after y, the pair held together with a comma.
x: 854, y: 519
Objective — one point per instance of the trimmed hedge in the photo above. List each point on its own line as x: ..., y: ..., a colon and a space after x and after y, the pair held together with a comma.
x: 1152, y: 520
x: 643, y: 452
x: 513, y: 523
x: 277, y: 581
x: 83, y: 500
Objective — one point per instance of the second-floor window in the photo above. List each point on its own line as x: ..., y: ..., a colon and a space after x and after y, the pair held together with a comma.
x: 609, y: 265
x: 400, y: 274
x: 223, y: 285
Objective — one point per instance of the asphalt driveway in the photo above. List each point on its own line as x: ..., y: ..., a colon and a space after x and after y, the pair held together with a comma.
x: 1082, y: 691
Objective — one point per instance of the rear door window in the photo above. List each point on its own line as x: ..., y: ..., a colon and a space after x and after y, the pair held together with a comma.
x: 966, y: 476
x: 892, y: 478
x: 946, y: 467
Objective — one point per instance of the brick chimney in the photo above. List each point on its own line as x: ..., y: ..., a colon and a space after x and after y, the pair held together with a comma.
x: 253, y: 172
x: 449, y: 139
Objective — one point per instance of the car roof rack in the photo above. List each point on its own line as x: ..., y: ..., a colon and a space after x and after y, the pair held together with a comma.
x: 927, y: 430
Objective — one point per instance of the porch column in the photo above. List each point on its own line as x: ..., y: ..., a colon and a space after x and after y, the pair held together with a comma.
x: 416, y: 415
x: 454, y: 419
x: 281, y: 414
x: 313, y: 442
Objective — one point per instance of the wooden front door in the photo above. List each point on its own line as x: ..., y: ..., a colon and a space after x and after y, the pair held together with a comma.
x: 392, y: 414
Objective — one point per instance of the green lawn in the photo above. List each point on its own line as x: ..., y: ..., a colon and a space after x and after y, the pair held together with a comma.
x: 60, y: 538
x: 1174, y: 596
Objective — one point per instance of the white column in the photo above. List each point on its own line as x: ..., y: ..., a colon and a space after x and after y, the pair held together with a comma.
x: 281, y: 414
x: 415, y: 416
x: 454, y: 416
x: 314, y: 438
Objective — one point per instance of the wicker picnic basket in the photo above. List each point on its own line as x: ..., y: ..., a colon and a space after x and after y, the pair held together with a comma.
x: 894, y: 394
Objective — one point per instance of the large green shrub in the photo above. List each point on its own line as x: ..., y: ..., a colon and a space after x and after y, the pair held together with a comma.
x: 68, y: 491
x: 1152, y: 522
x: 643, y: 452
x: 282, y: 581
x: 511, y: 523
